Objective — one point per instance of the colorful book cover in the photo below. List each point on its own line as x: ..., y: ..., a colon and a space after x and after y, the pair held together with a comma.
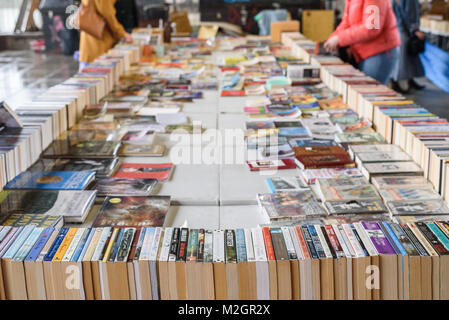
x: 161, y: 171
x: 53, y: 180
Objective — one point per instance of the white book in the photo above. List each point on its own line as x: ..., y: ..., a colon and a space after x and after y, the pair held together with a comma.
x: 295, y: 241
x: 250, y: 256
x: 263, y: 277
x: 115, y: 234
x: 101, y: 243
x: 323, y: 241
x: 171, y: 118
x: 87, y: 245
x: 365, y: 239
x: 358, y: 250
x: 166, y: 244
x: 349, y: 253
x: 218, y: 246
x: 146, y: 245
x: 289, y: 243
x: 153, y: 267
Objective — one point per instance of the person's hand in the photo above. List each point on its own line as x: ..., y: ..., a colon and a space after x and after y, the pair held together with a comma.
x: 128, y: 38
x: 331, y: 45
x: 420, y: 35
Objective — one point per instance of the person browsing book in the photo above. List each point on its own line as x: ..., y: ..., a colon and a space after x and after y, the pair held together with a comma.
x: 369, y: 29
x: 91, y: 47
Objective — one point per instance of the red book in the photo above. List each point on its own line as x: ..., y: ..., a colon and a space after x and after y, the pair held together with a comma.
x: 268, y: 244
x: 233, y: 93
x: 159, y: 171
x: 224, y: 69
x: 325, y: 161
x: 271, y: 164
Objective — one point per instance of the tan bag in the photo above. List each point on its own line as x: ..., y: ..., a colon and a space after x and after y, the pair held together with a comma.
x: 90, y: 21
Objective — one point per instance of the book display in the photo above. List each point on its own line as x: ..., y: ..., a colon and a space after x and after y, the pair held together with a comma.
x: 118, y: 173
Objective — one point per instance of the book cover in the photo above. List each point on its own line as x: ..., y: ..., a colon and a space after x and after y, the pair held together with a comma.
x: 277, y: 184
x: 82, y: 149
x: 125, y: 186
x: 355, y: 207
x: 101, y: 167
x: 159, y: 171
x: 52, y: 180
x: 279, y: 164
x: 408, y: 193
x: 418, y: 208
x: 359, y: 192
x: 133, y: 211
x: 378, y: 238
x: 142, y: 150
x: 325, y: 161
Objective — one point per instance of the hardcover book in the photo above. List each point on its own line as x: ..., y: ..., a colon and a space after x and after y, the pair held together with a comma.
x: 133, y: 212
x: 52, y: 180
x: 325, y: 161
x: 359, y: 137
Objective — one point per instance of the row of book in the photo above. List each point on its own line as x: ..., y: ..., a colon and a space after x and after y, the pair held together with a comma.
x: 34, y: 125
x: 400, y: 121
x: 359, y: 260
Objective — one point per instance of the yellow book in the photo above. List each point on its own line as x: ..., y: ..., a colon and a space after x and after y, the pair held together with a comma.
x: 110, y: 244
x: 65, y: 244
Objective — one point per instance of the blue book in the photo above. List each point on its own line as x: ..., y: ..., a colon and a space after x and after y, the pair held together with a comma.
x: 294, y: 132
x: 86, y: 245
x: 52, y: 180
x: 81, y: 245
x: 316, y: 242
x: 39, y: 245
x: 240, y: 245
x: 55, y: 246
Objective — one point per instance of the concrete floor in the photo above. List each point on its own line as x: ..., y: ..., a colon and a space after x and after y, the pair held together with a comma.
x: 432, y: 98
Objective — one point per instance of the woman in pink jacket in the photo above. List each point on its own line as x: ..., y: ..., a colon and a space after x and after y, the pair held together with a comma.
x: 370, y: 30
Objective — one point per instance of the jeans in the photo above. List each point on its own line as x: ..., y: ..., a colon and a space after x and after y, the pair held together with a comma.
x: 382, y: 66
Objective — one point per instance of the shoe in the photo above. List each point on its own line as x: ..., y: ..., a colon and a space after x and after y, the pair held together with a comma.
x: 397, y: 87
x: 413, y: 84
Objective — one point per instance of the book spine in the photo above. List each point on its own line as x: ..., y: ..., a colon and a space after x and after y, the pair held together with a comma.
x: 139, y: 244
x: 309, y: 242
x: 328, y: 251
x: 39, y: 245
x: 240, y: 245
x: 28, y: 244
x: 102, y: 244
x: 73, y: 244
x: 146, y: 245
x: 333, y: 241
x: 258, y: 244
x: 182, y: 249
x: 192, y: 245
x: 432, y: 233
x: 302, y: 243
x: 268, y: 244
x: 155, y: 244
x: 126, y: 244
x: 316, y: 242
x: 289, y: 244
x: 83, y: 244
x: 208, y: 246
x: 355, y: 244
x: 200, y: 251
x: 230, y: 246
x: 280, y: 250
x: 422, y: 239
x: 116, y: 245
x: 218, y: 246
x: 174, y: 245
x: 344, y: 241
x: 52, y: 251
x: 378, y: 238
x: 418, y: 245
x: 18, y: 242
x: 166, y: 244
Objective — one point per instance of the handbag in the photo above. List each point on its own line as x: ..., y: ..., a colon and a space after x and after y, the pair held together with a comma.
x: 415, y: 45
x: 90, y: 21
